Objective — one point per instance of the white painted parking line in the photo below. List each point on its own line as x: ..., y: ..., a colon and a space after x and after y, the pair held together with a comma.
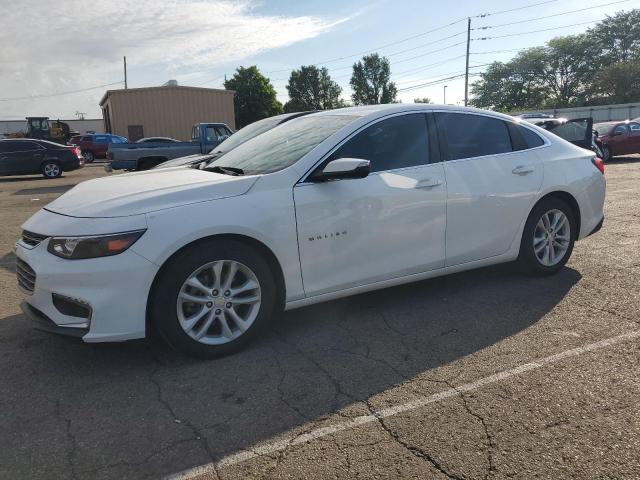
x: 277, y: 446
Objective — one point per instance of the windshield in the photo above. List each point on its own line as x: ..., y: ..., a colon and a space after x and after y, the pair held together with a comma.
x: 247, y: 133
x: 283, y: 146
x: 603, y: 127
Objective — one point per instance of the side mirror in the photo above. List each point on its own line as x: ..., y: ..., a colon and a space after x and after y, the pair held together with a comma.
x: 343, y: 168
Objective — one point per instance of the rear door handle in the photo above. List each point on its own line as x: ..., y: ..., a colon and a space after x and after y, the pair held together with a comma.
x: 428, y: 183
x: 522, y: 170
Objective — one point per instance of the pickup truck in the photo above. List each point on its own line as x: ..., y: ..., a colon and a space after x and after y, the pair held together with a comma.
x: 146, y: 155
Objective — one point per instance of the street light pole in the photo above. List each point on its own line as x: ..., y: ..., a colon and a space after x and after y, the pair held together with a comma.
x: 444, y: 99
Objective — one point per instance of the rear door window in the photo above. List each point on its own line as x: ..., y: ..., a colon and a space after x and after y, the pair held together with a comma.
x: 100, y: 139
x: 621, y: 129
x: 22, y: 146
x: 466, y: 135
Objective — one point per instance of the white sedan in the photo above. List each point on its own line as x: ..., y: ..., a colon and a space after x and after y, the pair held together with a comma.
x: 327, y: 205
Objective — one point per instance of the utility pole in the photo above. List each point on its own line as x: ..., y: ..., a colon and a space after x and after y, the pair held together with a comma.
x: 444, y: 95
x: 466, y: 70
x: 125, y: 71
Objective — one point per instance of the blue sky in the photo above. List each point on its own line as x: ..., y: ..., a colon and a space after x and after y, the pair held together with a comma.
x: 197, y: 42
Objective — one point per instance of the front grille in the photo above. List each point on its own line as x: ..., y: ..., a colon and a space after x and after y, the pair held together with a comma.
x: 26, y: 276
x: 32, y: 239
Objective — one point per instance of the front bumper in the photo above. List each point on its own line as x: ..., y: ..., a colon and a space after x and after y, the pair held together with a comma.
x: 41, y: 322
x: 597, y: 228
x: 114, y: 289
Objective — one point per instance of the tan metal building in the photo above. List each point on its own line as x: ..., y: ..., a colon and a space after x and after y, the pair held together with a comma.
x: 166, y: 111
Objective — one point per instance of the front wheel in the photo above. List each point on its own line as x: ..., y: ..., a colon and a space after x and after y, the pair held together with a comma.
x: 213, y: 298
x: 88, y: 156
x: 606, y: 154
x: 548, y: 237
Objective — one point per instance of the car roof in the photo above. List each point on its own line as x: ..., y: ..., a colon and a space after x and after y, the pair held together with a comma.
x: 542, y: 119
x: 283, y: 117
x: 374, y: 111
x: 36, y: 140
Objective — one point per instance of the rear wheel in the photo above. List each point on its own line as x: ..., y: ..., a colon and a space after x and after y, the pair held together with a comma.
x: 213, y: 298
x: 88, y: 156
x: 149, y: 163
x: 51, y: 170
x: 548, y: 237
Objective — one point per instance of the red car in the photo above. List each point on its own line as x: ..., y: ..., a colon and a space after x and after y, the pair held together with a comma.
x: 95, y: 145
x: 618, y: 138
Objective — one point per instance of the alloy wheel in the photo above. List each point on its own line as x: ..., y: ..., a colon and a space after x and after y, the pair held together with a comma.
x: 51, y: 170
x: 552, y: 238
x: 218, y: 302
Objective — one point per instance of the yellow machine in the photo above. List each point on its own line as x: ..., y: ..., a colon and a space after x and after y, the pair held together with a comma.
x: 43, y: 129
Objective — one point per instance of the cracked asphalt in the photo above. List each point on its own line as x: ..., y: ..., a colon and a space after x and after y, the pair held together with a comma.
x: 290, y: 405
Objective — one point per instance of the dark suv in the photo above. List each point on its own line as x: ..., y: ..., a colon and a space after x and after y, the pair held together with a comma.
x: 95, y: 145
x: 26, y: 157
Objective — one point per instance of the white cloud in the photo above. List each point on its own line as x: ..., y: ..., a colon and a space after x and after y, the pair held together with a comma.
x: 44, y: 51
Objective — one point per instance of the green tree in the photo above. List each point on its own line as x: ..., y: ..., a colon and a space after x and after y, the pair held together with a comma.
x: 569, y: 66
x: 597, y: 67
x: 618, y: 83
x: 422, y: 100
x: 512, y: 85
x: 618, y: 37
x: 370, y: 81
x: 255, y: 97
x: 311, y: 88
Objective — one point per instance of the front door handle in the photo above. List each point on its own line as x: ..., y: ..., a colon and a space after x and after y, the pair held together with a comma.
x: 522, y: 170
x: 428, y: 183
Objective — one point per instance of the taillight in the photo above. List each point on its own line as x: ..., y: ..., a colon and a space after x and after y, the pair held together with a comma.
x: 77, y: 152
x: 598, y: 163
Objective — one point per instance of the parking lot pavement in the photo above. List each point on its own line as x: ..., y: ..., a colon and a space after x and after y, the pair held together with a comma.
x: 484, y: 374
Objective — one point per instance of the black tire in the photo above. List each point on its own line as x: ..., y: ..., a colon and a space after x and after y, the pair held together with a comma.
x: 606, y: 153
x: 149, y: 163
x: 528, y: 260
x: 51, y: 169
x: 88, y: 156
x: 164, y: 298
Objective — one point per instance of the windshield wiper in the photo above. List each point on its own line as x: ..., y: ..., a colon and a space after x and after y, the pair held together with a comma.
x: 225, y: 170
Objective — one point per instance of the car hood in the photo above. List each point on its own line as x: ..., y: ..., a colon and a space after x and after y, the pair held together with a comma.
x: 148, y: 191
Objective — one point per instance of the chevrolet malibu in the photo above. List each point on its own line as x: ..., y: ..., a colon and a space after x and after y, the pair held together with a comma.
x: 324, y: 206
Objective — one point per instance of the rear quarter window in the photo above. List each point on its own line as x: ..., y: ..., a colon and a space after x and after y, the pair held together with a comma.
x: 523, y: 138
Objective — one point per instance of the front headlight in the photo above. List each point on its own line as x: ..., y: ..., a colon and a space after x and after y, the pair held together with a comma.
x: 91, y: 247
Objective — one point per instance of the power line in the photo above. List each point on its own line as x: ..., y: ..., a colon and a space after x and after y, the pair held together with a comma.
x: 209, y: 81
x: 70, y: 92
x: 447, y: 47
x: 500, y: 51
x: 549, y: 16
x: 532, y: 31
x: 406, y: 39
x: 435, y: 82
x: 418, y: 35
x: 500, y: 12
x: 426, y: 67
x: 450, y: 73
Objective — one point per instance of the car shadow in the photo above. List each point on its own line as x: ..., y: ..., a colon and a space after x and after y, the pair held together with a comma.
x: 24, y: 178
x: 44, y: 190
x: 138, y: 409
x: 624, y: 159
x: 8, y: 261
